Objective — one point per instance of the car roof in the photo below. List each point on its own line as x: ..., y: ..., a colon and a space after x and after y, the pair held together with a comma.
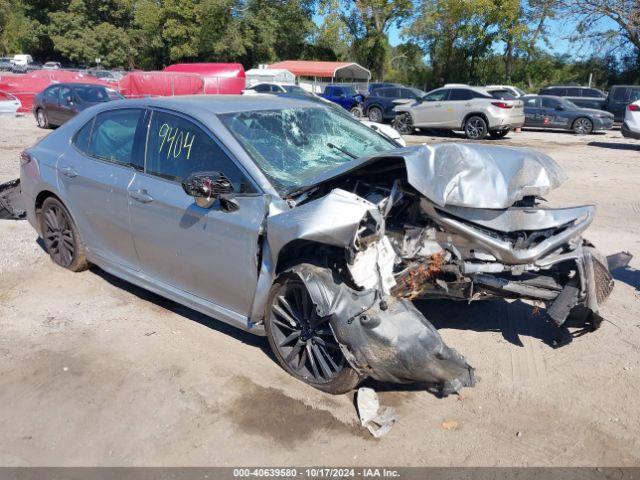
x: 77, y: 84
x: 218, y: 104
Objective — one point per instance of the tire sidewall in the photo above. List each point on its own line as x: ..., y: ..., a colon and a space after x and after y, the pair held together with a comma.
x: 579, y: 119
x: 79, y: 261
x: 45, y: 122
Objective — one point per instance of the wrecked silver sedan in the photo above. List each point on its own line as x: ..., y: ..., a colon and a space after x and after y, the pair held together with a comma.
x: 291, y: 220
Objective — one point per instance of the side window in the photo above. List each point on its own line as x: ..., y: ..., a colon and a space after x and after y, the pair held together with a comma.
x: 591, y: 93
x: 176, y: 148
x: 549, y: 102
x: 51, y: 95
x: 82, y: 137
x: 437, y: 96
x: 261, y: 88
x: 337, y: 92
x: 113, y: 135
x: 460, y: 94
x: 531, y: 102
x: 65, y: 92
x: 574, y: 92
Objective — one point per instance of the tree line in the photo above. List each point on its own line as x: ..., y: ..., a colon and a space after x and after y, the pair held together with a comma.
x: 470, y: 41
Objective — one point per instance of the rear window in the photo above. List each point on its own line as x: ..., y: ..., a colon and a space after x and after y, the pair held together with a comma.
x: 502, y: 94
x: 626, y: 94
x: 113, y: 134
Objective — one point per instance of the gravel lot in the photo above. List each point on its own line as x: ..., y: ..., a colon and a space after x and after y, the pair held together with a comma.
x: 94, y: 371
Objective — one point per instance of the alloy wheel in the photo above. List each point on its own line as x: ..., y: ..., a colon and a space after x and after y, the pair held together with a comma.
x: 403, y: 124
x: 375, y: 115
x: 42, y: 119
x: 58, y: 236
x: 582, y: 126
x: 476, y: 128
x: 303, y: 339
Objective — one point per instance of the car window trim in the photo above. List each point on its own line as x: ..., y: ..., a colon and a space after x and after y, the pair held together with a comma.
x: 207, y: 131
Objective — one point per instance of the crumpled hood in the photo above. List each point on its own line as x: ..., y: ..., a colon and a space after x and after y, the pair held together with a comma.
x: 467, y: 175
x: 480, y: 176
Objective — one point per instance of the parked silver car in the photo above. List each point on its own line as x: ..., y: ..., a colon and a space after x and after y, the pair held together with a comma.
x: 465, y: 108
x: 285, y: 217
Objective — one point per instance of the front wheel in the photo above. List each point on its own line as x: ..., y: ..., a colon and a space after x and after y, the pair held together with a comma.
x: 302, y: 341
x: 582, y: 126
x: 475, y: 128
x: 403, y: 123
x: 357, y: 112
x: 41, y: 118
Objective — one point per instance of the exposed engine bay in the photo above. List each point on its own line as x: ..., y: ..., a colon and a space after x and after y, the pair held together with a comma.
x: 455, y: 221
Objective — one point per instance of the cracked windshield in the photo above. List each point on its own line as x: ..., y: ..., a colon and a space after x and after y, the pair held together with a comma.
x: 292, y: 146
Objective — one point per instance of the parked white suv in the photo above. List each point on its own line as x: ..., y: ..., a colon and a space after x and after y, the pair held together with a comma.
x: 465, y: 108
x: 631, y: 126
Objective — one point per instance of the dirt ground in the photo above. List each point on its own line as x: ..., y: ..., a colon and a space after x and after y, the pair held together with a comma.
x: 94, y: 371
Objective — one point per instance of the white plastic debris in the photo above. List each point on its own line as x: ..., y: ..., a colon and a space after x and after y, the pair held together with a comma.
x: 378, y: 420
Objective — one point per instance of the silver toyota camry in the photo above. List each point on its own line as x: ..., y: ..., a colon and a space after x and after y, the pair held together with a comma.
x: 290, y: 219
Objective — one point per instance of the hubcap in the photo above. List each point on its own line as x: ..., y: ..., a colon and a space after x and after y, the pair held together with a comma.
x: 58, y: 236
x: 475, y: 128
x: 375, y: 115
x: 304, y: 339
x: 582, y: 126
x: 40, y: 118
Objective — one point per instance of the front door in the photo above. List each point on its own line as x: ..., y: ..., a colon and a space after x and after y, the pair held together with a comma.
x: 207, y: 252
x: 50, y: 100
x: 94, y: 174
x: 554, y: 113
x: 430, y: 112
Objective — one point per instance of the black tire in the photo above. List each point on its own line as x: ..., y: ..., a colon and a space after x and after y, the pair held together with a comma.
x: 475, y: 128
x: 61, y: 237
x: 303, y: 342
x: 582, y: 126
x: 403, y: 123
x: 375, y: 115
x: 41, y: 118
x: 498, y: 133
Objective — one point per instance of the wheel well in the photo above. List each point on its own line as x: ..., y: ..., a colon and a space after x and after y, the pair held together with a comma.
x: 475, y: 114
x: 307, y: 251
x: 42, y: 196
x: 375, y: 105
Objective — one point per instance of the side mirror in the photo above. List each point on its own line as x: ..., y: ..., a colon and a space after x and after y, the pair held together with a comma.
x: 206, y: 187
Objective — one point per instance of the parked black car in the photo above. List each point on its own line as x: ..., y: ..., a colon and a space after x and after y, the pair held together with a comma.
x: 59, y: 102
x: 585, y: 97
x: 5, y: 64
x: 619, y: 97
x: 375, y: 85
x: 379, y: 105
x: 544, y: 111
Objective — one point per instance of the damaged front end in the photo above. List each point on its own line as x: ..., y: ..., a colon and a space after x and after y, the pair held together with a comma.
x: 452, y: 221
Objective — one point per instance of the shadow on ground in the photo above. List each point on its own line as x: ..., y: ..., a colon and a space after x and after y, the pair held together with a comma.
x: 634, y: 147
x: 628, y: 275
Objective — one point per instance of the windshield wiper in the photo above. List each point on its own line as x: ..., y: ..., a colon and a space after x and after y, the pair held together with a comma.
x: 346, y: 152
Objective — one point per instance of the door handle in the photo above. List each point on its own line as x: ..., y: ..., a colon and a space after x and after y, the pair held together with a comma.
x: 69, y: 172
x: 141, y: 195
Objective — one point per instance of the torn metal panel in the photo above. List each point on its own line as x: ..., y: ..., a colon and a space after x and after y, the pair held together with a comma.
x: 332, y: 220
x: 11, y: 203
x: 387, y: 339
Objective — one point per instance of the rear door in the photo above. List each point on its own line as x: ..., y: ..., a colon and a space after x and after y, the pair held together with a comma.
x: 94, y: 174
x: 532, y: 112
x: 50, y: 104
x: 207, y: 252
